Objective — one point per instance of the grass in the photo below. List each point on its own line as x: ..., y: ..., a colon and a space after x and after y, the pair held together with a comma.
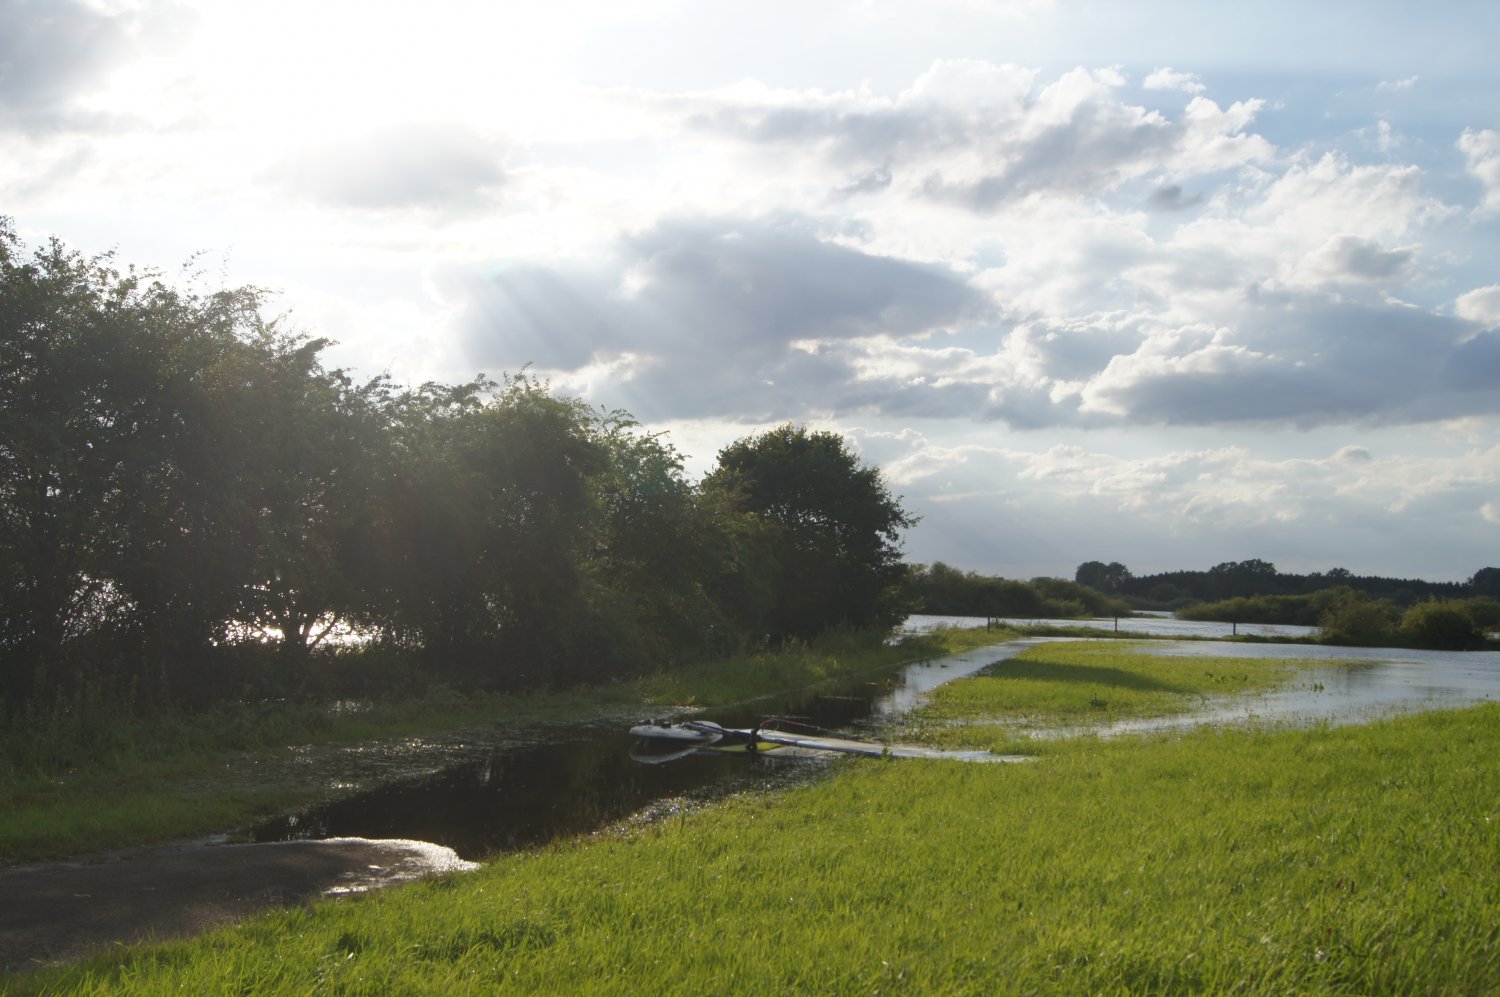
x: 96, y: 778
x: 1342, y: 860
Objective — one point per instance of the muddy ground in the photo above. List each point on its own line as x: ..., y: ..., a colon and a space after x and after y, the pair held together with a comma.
x: 61, y: 911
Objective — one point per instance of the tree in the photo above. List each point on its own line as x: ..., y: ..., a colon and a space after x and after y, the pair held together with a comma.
x: 1484, y: 611
x: 1486, y: 581
x: 1243, y: 578
x: 836, y: 528
x: 1109, y: 578
x: 485, y: 524
x: 1350, y: 617
x: 112, y: 530
x: 310, y: 441
x: 651, y: 557
x: 1441, y: 625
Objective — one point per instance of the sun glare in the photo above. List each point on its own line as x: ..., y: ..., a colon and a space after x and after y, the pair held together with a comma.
x: 311, y: 69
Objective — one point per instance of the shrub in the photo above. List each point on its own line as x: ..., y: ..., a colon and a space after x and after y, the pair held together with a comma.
x: 1350, y: 617
x: 1443, y: 625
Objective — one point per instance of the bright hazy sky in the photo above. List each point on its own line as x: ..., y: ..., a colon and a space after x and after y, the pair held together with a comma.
x: 1165, y: 283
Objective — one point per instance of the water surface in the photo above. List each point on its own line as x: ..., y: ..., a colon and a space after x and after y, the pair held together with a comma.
x: 582, y: 778
x: 506, y: 796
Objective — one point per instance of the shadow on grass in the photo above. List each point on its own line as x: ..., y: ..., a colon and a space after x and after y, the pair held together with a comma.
x: 1044, y: 671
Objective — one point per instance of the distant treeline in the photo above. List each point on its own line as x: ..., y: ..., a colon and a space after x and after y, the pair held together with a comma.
x: 1349, y: 608
x: 193, y: 508
x: 942, y: 590
x: 1246, y: 579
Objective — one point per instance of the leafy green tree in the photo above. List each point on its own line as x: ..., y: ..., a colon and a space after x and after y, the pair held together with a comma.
x: 1485, y: 581
x: 1350, y: 617
x: 1243, y: 578
x: 487, y: 515
x: 182, y: 535
x: 310, y: 443
x: 741, y: 571
x: 1441, y: 625
x: 1108, y: 578
x: 1484, y: 611
x: 108, y: 476
x: 836, y: 528
x: 652, y: 557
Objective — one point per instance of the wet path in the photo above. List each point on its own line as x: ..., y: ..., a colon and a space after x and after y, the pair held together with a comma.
x: 60, y: 911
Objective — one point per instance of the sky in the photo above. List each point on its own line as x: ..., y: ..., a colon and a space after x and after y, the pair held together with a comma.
x: 1163, y: 283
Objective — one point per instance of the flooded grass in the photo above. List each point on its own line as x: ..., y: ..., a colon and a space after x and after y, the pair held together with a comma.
x: 1075, y: 685
x: 143, y: 781
x: 1359, y: 859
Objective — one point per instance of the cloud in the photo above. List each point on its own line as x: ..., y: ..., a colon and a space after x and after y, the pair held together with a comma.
x: 697, y: 316
x: 1350, y: 257
x: 1482, y: 151
x: 1475, y: 365
x: 1272, y: 302
x: 1305, y: 362
x: 1170, y: 197
x: 423, y: 165
x: 1396, y: 86
x: 1481, y: 305
x: 51, y: 53
x: 1068, y: 501
x: 1171, y: 79
x: 979, y: 136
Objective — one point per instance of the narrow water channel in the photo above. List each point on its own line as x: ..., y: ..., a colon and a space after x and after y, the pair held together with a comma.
x: 583, y: 777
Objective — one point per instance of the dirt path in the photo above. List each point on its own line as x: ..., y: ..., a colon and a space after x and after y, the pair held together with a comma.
x: 57, y: 912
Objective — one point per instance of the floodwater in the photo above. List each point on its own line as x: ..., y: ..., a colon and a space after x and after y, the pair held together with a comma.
x: 1150, y: 625
x: 583, y: 778
x: 1343, y: 685
x: 506, y: 796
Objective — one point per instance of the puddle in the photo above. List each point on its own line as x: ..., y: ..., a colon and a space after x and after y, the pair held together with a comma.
x: 505, y: 796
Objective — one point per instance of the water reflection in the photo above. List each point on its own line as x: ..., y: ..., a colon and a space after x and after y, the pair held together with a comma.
x: 584, y: 778
x: 1347, y: 685
x: 1145, y: 625
x: 514, y: 798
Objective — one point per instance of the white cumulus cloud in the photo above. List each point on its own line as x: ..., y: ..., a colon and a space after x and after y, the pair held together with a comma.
x: 1482, y: 151
x: 1167, y: 78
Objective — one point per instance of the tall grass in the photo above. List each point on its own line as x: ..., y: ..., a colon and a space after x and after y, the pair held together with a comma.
x: 1322, y: 861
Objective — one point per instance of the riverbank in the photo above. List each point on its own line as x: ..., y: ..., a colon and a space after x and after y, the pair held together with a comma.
x: 1318, y: 860
x: 173, y: 778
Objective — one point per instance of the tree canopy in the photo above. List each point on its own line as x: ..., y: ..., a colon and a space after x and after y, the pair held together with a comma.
x: 834, y: 528
x: 191, y: 505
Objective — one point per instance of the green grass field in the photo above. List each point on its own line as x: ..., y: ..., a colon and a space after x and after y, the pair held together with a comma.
x: 1349, y: 860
